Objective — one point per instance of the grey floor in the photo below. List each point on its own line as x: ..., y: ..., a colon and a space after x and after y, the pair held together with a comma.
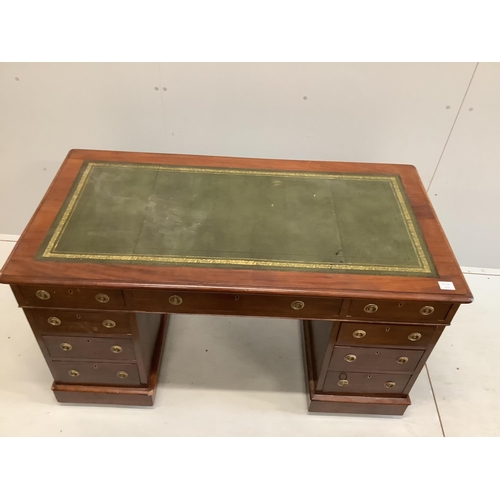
x: 228, y: 376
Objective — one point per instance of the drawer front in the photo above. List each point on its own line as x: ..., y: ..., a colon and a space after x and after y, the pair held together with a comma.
x: 57, y: 320
x: 365, y: 334
x: 80, y: 372
x: 244, y: 305
x: 84, y: 298
x: 365, y: 383
x: 400, y: 311
x: 89, y: 348
x: 371, y: 359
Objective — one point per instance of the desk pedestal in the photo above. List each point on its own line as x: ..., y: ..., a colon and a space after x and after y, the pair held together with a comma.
x: 130, y: 396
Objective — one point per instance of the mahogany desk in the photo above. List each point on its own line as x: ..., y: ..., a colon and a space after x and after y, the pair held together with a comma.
x: 122, y: 240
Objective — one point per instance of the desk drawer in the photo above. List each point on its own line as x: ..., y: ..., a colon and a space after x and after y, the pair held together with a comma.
x: 366, y: 334
x: 58, y: 320
x: 89, y: 348
x: 81, y: 372
x: 398, y: 311
x: 244, y: 305
x: 83, y: 298
x: 365, y: 383
x: 371, y: 359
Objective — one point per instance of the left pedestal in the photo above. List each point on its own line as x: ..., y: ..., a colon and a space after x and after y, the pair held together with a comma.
x: 108, y: 356
x: 129, y: 396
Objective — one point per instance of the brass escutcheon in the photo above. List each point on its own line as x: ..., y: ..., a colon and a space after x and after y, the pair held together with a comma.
x: 350, y: 358
x: 102, y: 298
x: 54, y: 321
x: 426, y: 310
x: 414, y: 336
x: 371, y: 308
x: 389, y: 385
x: 122, y: 374
x: 359, y: 334
x: 74, y: 373
x: 402, y: 360
x: 43, y: 294
x: 343, y: 382
x: 116, y: 349
x: 65, y: 346
x: 297, y: 305
x: 175, y: 300
x: 108, y: 323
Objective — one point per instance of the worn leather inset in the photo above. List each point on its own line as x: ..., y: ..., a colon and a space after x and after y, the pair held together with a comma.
x: 171, y: 215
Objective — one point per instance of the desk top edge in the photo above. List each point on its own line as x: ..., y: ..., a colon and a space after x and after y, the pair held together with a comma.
x: 14, y: 272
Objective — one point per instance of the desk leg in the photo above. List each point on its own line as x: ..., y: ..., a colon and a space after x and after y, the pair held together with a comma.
x: 130, y: 396
x: 315, y: 371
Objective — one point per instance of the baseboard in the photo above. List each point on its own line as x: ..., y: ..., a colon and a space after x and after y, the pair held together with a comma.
x: 9, y: 237
x: 480, y: 270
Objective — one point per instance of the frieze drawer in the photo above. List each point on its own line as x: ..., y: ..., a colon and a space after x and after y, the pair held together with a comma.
x: 398, y: 311
x: 243, y: 304
x: 83, y: 298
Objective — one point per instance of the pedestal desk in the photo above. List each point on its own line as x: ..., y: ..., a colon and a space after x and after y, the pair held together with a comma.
x: 122, y: 240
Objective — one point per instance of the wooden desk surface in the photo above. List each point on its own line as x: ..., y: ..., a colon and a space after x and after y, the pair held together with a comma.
x: 329, y: 229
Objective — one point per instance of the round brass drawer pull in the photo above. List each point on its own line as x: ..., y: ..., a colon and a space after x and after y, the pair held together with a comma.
x: 54, y: 321
x: 116, y: 349
x: 74, y: 373
x: 297, y: 305
x: 358, y: 334
x: 108, y: 323
x: 65, y: 346
x: 426, y: 310
x: 43, y: 294
x: 350, y: 358
x: 122, y: 374
x: 414, y: 336
x: 343, y: 382
x: 402, y: 360
x: 175, y: 300
x: 371, y: 308
x: 389, y: 385
x: 102, y: 298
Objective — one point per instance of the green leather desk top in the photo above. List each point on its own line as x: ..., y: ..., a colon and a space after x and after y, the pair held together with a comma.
x: 238, y: 218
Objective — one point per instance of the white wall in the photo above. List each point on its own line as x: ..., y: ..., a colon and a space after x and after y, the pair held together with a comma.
x: 400, y: 113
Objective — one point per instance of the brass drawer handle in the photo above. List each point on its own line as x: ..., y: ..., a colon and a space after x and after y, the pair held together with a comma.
x: 108, y: 323
x: 122, y: 374
x: 43, y: 294
x: 426, y: 310
x: 54, y: 321
x: 390, y: 385
x: 343, y: 382
x: 116, y: 349
x: 402, y: 360
x: 175, y: 300
x: 358, y: 334
x: 350, y: 358
x: 414, y: 336
x: 371, y: 308
x: 297, y: 305
x: 102, y: 298
x: 65, y: 346
x: 74, y: 373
